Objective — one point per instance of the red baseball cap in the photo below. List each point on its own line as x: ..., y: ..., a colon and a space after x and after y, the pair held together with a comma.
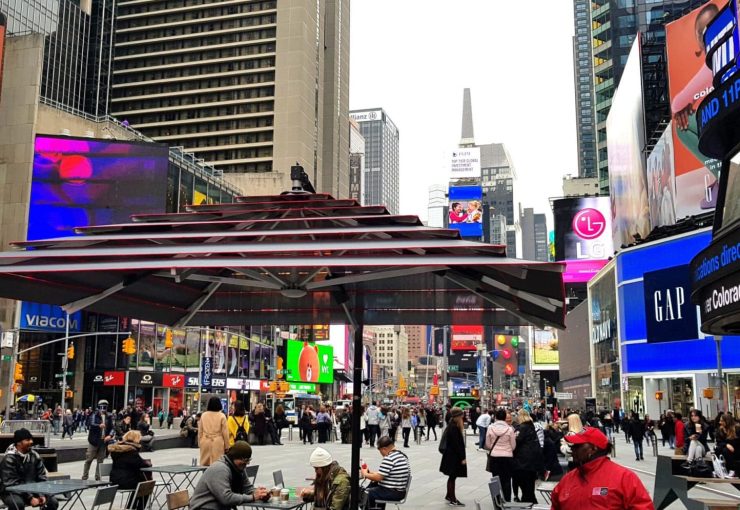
x: 589, y: 435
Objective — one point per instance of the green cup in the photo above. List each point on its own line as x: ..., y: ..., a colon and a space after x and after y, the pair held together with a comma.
x: 292, y: 492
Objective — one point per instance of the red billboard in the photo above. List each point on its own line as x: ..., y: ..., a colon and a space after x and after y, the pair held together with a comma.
x: 689, y: 82
x: 173, y: 380
x: 466, y: 338
x: 117, y: 378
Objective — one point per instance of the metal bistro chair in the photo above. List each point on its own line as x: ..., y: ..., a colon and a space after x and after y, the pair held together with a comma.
x: 277, y: 477
x: 178, y: 500
x: 104, y: 498
x: 251, y: 472
x: 105, y: 469
x: 143, y: 490
x: 494, y: 487
x: 397, y: 503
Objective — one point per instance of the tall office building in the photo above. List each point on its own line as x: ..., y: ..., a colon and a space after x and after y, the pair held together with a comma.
x: 251, y: 87
x: 498, y: 180
x: 417, y: 342
x: 534, y: 235
x: 382, y: 162
x: 391, y: 349
x: 356, y: 161
x: 583, y: 77
x: 614, y: 24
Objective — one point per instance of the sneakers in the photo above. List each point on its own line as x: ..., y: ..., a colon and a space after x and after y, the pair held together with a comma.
x: 546, y: 475
x: 455, y: 503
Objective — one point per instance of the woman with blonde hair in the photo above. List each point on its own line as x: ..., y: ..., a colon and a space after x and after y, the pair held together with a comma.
x: 454, y: 463
x: 127, y: 463
x: 213, y: 433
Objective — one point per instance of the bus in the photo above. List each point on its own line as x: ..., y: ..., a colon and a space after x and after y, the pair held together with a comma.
x: 291, y: 402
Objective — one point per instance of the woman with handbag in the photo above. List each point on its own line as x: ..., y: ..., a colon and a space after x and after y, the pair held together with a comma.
x: 127, y: 463
x: 501, y: 443
x: 454, y: 463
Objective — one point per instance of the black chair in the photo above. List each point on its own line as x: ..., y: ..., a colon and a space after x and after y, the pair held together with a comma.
x: 277, y: 477
x: 251, y: 472
x: 494, y: 487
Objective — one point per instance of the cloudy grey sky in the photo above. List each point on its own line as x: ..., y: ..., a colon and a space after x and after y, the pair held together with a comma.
x: 414, y: 58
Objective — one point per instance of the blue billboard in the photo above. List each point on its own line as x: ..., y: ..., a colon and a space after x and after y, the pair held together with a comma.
x: 466, y: 210
x: 41, y: 317
x: 644, y: 290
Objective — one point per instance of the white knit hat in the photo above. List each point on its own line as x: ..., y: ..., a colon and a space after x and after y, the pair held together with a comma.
x: 320, y: 458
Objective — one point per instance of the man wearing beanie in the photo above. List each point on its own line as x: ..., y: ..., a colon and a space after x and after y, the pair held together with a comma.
x: 224, y: 485
x: 21, y: 465
x: 331, y: 488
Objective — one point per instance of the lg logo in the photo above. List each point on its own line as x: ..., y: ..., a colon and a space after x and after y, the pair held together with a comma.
x: 589, y: 223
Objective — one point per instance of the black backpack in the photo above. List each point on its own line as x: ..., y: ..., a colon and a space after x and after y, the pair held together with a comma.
x: 241, y: 432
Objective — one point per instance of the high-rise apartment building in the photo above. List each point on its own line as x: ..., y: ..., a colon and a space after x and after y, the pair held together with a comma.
x: 534, y: 235
x: 583, y: 77
x: 251, y: 87
x: 417, y: 342
x: 391, y: 349
x: 614, y: 25
x: 382, y: 161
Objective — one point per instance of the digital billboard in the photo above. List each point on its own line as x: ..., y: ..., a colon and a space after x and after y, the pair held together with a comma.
x: 309, y: 362
x: 544, y: 352
x: 583, y: 236
x: 466, y: 210
x: 465, y: 163
x: 689, y: 82
x: 466, y: 338
x: 86, y: 181
x: 661, y: 181
x: 625, y: 132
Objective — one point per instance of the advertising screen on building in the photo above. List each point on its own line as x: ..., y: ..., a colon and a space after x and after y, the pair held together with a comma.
x: 625, y: 131
x: 583, y: 237
x: 544, y: 353
x: 661, y: 181
x: 466, y: 338
x: 689, y: 81
x: 465, y: 163
x: 86, y: 181
x: 466, y: 210
x: 310, y: 362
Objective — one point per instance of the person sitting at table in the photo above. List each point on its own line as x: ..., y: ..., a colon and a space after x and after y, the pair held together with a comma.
x: 20, y: 465
x: 596, y: 481
x: 331, y: 487
x: 127, y: 463
x: 225, y: 485
x: 389, y: 482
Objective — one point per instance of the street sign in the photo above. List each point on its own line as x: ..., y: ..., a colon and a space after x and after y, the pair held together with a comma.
x: 7, y: 357
x: 59, y: 376
x: 453, y: 368
x: 563, y: 395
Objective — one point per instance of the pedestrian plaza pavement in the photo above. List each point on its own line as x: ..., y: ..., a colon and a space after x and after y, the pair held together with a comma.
x: 428, y: 486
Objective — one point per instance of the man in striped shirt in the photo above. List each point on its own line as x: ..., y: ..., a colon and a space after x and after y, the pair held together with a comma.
x: 389, y: 482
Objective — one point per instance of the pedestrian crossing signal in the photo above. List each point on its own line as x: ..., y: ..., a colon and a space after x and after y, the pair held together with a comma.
x: 71, y: 352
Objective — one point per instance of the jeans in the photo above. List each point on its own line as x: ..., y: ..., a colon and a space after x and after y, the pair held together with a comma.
x: 481, y: 437
x: 638, y: 448
x: 374, y: 433
x: 696, y: 451
x: 406, y: 435
x: 672, y: 441
x: 609, y: 432
x: 433, y: 428
x: 377, y: 492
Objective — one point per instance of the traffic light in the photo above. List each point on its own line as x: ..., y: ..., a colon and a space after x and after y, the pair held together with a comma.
x: 68, y: 394
x: 71, y: 351
x: 168, y: 339
x: 18, y: 376
x: 279, y: 365
x: 129, y: 346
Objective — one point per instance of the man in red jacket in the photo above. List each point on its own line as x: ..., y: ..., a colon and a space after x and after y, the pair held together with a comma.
x: 680, y: 431
x: 597, y: 482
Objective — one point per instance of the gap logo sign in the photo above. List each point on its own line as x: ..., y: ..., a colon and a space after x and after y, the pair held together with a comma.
x: 42, y: 317
x: 669, y: 313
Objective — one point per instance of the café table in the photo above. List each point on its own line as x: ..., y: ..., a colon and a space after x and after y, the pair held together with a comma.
x: 169, y: 476
x: 73, y: 488
x: 293, y: 503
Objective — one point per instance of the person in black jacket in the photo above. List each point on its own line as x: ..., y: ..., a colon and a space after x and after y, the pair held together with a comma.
x: 528, y: 458
x: 100, y: 432
x: 697, y: 430
x: 636, y: 432
x: 454, y: 464
x: 21, y: 465
x: 127, y: 464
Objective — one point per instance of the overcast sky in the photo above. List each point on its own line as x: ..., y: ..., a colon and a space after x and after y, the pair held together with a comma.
x: 413, y: 58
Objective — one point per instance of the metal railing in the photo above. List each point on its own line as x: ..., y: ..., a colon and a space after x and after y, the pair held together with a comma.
x: 37, y: 427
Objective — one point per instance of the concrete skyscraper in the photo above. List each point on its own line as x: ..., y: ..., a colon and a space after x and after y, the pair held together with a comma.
x: 534, y: 235
x: 584, y: 88
x: 382, y: 161
x: 251, y: 87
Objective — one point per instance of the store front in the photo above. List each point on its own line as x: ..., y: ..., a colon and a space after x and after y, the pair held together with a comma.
x: 605, y: 375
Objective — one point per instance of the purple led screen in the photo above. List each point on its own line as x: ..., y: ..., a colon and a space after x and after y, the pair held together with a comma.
x: 85, y: 181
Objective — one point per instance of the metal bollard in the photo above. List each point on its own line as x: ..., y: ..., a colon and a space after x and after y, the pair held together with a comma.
x: 614, y: 447
x: 290, y: 432
x: 655, y: 446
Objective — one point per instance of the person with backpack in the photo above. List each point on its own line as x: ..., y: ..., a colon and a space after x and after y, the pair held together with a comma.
x: 238, y: 424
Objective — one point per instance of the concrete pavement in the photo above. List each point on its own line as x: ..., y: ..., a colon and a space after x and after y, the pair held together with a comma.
x: 428, y: 486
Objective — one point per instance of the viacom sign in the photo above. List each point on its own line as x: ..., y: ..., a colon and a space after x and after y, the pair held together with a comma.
x: 42, y: 317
